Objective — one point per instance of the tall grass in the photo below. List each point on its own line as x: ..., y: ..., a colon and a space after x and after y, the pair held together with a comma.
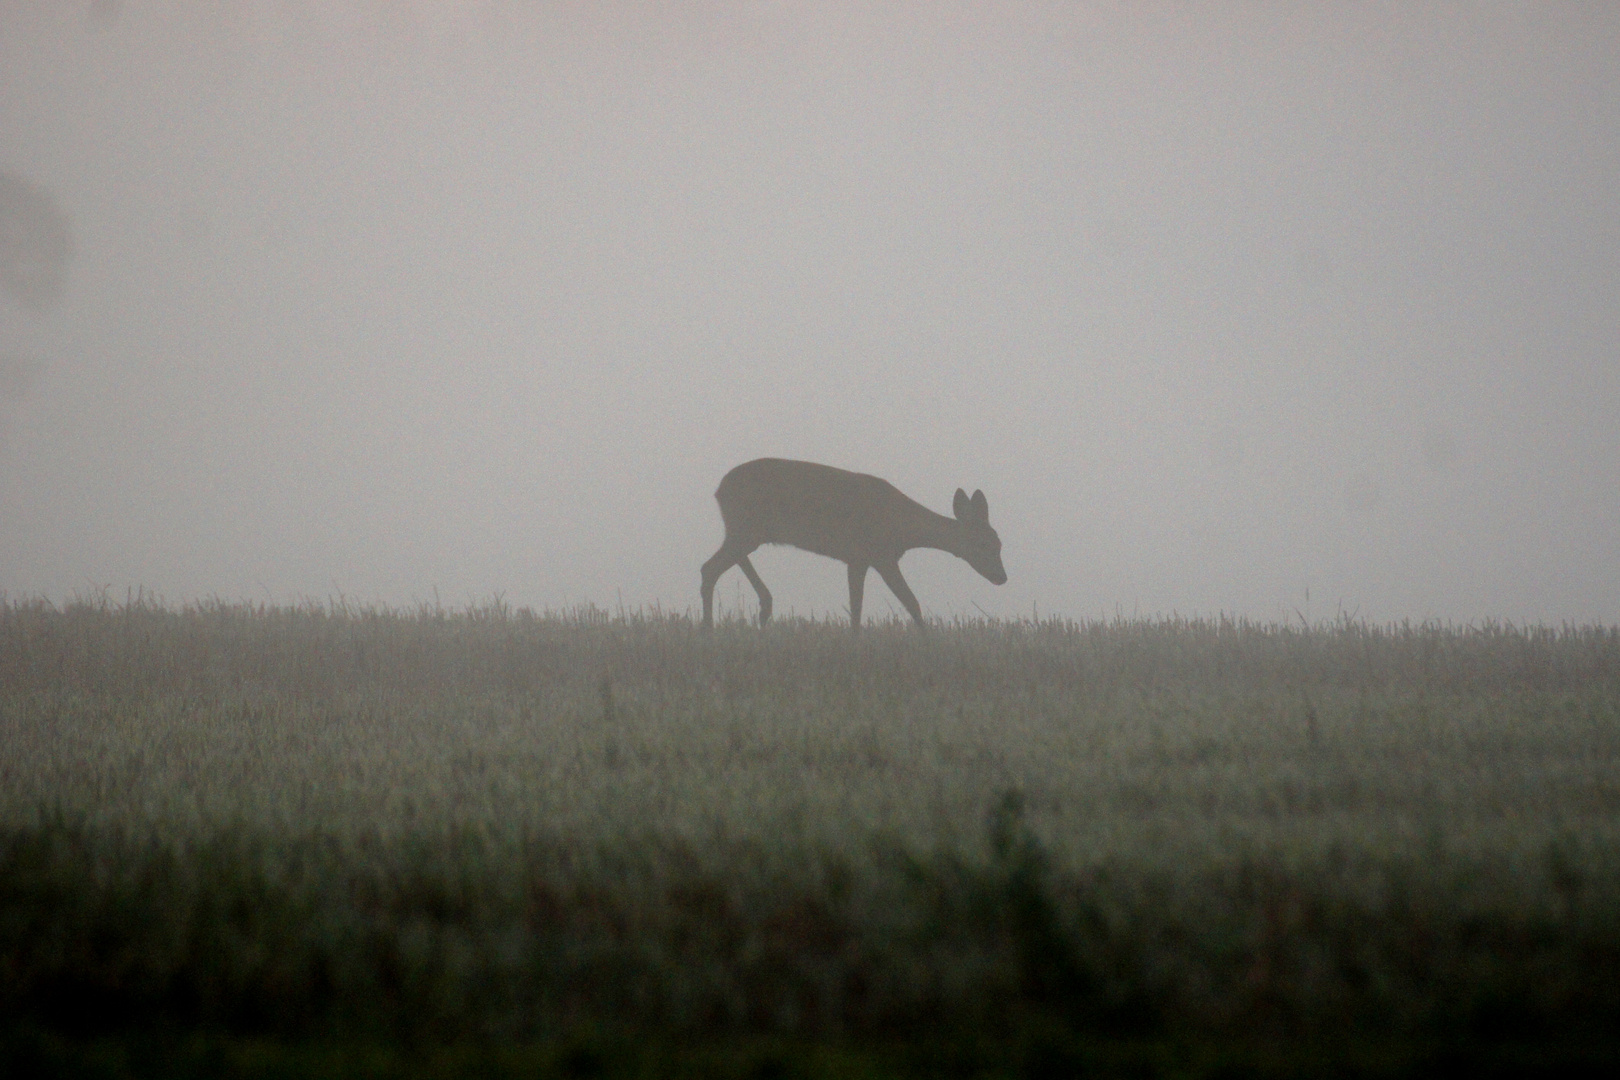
x: 1140, y: 738
x: 431, y: 826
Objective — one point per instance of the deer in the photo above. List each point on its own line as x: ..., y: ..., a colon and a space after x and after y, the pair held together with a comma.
x: 861, y: 520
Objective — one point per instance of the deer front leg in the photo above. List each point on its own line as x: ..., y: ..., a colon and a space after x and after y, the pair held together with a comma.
x: 857, y: 589
x: 890, y: 573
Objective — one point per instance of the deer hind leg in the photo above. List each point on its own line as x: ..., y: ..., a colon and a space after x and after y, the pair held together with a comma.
x: 759, y: 587
x: 857, y: 589
x: 718, y: 563
x: 890, y: 573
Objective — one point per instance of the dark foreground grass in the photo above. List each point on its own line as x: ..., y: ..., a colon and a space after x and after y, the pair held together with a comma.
x: 1040, y: 1054
x: 240, y: 954
x: 241, y: 841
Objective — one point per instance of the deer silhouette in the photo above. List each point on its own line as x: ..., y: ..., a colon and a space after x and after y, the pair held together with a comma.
x: 861, y: 520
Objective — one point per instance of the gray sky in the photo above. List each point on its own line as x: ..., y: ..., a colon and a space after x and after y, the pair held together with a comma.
x: 1218, y: 305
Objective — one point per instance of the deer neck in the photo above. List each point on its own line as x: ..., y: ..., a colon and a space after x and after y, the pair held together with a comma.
x: 931, y: 530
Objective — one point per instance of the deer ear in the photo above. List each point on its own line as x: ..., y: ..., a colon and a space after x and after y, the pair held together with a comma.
x: 981, y: 506
x: 961, y: 505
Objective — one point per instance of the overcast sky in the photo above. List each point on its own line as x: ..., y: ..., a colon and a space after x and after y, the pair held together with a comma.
x: 1222, y: 306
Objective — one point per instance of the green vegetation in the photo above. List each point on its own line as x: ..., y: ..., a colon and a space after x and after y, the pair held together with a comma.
x: 327, y: 841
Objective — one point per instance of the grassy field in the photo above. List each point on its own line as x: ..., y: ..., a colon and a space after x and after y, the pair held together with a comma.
x: 242, y: 840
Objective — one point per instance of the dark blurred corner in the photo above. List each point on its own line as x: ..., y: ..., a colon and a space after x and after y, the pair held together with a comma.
x: 36, y: 244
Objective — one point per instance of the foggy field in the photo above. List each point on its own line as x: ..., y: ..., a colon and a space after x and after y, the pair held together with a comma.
x: 431, y: 825
x: 1151, y: 740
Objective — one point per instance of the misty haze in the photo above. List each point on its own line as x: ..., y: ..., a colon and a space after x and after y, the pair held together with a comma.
x: 395, y: 301
x: 753, y: 539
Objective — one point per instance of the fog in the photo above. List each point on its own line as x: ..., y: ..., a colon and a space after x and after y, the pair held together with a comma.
x: 1280, y: 312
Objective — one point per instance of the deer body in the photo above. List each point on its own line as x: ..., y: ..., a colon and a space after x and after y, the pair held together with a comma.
x: 858, y: 519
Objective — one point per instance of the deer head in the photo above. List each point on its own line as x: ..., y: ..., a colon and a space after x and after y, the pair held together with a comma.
x: 981, y: 547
